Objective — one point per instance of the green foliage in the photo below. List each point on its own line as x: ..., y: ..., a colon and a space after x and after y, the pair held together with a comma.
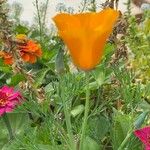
x: 19, y: 122
x: 122, y: 127
x: 90, y: 144
x: 98, y: 127
x: 139, y: 43
x: 21, y: 29
x: 118, y: 103
x: 15, y: 80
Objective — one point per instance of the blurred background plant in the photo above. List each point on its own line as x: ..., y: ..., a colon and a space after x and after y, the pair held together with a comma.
x: 119, y: 100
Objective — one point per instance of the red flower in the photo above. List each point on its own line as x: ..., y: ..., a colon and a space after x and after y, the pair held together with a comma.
x: 144, y: 135
x: 8, y: 99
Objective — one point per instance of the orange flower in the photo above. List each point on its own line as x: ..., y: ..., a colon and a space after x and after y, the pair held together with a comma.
x: 7, y: 57
x: 30, y: 51
x: 86, y: 34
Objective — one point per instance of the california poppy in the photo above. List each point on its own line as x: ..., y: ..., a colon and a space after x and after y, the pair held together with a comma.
x: 85, y: 35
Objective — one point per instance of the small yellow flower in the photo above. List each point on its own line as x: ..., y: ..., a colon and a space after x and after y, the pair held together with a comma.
x: 21, y: 37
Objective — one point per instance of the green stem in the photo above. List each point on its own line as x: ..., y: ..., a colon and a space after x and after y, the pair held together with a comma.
x: 45, y: 12
x: 87, y: 103
x: 67, y: 118
x: 121, y: 147
x: 39, y: 18
x: 84, y: 5
x: 7, y: 123
x: 69, y: 127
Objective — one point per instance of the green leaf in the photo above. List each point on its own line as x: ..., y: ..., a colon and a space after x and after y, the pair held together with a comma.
x: 90, y: 144
x: 98, y: 127
x: 101, y: 74
x: 40, y: 77
x: 50, y: 147
x: 77, y: 110
x: 5, y: 69
x: 140, y: 120
x: 14, y: 80
x: 21, y: 29
x: 18, y: 122
x: 122, y: 124
x: 109, y: 48
x: 49, y: 54
x: 134, y: 143
x: 59, y: 62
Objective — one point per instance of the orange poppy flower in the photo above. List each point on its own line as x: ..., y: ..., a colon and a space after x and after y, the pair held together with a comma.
x: 30, y: 51
x: 7, y: 57
x: 85, y: 35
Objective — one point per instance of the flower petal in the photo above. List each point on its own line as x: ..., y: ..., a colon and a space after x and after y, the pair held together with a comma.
x: 25, y: 57
x: 7, y: 89
x: 147, y: 148
x: 143, y: 134
x: 32, y: 59
x: 105, y: 19
x: 85, y: 35
x: 8, y: 109
x: 2, y: 111
x: 65, y: 21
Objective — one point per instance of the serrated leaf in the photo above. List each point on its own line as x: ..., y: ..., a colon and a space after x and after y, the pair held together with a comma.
x: 90, y: 144
x: 122, y: 124
x: 98, y: 127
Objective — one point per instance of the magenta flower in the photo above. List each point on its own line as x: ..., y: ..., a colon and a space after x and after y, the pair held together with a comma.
x: 8, y: 99
x: 144, y: 135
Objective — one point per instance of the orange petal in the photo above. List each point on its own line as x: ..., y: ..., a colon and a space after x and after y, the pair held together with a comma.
x: 84, y: 19
x: 32, y: 59
x: 86, y: 41
x: 105, y: 19
x: 65, y: 21
x: 74, y: 43
x: 85, y: 52
x: 25, y: 57
x: 38, y: 53
x: 8, y: 61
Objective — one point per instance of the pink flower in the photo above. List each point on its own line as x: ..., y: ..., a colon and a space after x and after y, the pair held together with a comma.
x: 8, y: 99
x: 144, y: 135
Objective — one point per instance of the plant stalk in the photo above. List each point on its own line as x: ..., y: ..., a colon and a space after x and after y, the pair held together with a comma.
x: 39, y: 18
x: 69, y: 127
x: 121, y: 147
x: 7, y: 123
x: 87, y: 104
x: 68, y: 120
